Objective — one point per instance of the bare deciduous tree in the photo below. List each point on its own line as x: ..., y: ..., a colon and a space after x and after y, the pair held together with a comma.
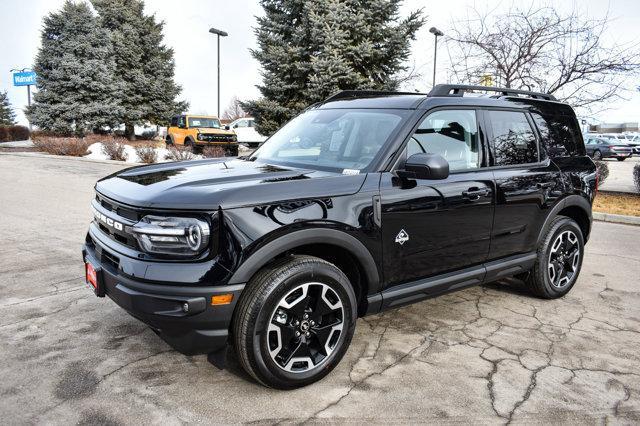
x: 540, y: 49
x: 234, y: 110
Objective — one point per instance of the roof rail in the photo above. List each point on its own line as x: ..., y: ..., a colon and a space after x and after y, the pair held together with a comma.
x: 460, y: 89
x: 351, y: 94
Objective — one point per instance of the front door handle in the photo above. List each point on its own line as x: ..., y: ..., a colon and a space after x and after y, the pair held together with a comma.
x: 474, y: 193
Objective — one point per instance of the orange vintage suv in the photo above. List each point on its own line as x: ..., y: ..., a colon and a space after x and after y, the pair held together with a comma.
x: 198, y: 131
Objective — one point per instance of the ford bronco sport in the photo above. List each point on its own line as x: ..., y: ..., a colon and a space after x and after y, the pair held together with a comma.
x: 364, y: 202
x: 197, y: 131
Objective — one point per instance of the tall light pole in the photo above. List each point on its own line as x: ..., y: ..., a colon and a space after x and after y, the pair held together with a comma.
x: 219, y: 33
x: 437, y: 33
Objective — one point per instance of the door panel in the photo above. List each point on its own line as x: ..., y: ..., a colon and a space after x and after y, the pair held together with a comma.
x: 523, y: 198
x: 447, y: 223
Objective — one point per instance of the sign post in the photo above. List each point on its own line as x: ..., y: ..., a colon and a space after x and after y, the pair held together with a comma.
x: 25, y: 77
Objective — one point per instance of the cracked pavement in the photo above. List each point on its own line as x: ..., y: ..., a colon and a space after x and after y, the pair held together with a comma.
x: 490, y: 354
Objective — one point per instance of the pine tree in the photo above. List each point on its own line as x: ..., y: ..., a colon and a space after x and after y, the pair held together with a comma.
x: 144, y: 66
x: 309, y: 50
x: 7, y: 116
x: 74, y: 67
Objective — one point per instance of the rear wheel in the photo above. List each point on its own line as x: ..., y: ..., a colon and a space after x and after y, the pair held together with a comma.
x: 559, y: 259
x: 168, y: 141
x: 294, y: 322
x: 597, y: 155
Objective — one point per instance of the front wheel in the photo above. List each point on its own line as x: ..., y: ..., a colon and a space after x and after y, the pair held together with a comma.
x: 597, y: 155
x: 294, y: 322
x: 621, y: 158
x: 559, y: 259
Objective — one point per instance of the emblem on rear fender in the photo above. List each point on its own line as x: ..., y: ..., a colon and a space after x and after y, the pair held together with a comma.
x: 402, y: 237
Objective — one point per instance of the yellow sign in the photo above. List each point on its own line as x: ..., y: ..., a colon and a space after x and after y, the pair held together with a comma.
x: 486, y: 80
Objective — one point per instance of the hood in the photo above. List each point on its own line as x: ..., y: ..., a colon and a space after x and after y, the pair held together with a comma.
x: 215, y: 131
x: 212, y: 183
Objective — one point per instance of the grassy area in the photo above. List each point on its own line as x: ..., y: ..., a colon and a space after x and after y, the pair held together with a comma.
x: 617, y: 203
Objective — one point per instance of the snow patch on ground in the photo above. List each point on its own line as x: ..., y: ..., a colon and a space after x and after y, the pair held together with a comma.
x: 96, y: 153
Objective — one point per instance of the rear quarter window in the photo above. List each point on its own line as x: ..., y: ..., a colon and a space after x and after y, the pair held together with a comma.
x: 560, y: 134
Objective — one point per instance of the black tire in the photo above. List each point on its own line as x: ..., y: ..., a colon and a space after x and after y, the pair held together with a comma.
x: 257, y: 334
x: 168, y: 141
x: 597, y: 155
x: 189, y: 143
x: 621, y: 159
x: 541, y: 280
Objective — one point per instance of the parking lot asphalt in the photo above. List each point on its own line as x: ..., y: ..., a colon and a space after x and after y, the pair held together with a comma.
x: 489, y: 354
x: 620, y: 175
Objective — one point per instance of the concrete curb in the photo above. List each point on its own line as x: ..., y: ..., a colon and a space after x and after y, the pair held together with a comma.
x: 616, y: 218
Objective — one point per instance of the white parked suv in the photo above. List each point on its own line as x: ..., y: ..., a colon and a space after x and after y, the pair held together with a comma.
x: 246, y: 131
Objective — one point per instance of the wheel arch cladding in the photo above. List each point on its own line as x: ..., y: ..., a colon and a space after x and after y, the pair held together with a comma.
x: 336, y: 247
x: 575, y: 207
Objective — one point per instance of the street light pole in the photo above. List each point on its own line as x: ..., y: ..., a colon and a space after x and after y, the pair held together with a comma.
x: 218, y: 33
x: 437, y: 33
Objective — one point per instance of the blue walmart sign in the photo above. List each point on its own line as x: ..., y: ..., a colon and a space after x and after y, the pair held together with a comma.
x: 25, y: 78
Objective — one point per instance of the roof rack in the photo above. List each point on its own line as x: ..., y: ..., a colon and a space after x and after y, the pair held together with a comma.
x: 351, y: 94
x: 460, y: 89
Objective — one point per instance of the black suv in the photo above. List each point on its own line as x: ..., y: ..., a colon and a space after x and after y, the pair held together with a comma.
x: 364, y: 202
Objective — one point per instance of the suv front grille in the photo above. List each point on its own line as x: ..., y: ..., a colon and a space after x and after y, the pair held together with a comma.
x: 216, y: 138
x: 115, y: 221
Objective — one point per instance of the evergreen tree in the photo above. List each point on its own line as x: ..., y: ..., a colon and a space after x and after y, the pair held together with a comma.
x: 309, y: 50
x: 7, y: 116
x: 144, y: 66
x: 74, y: 67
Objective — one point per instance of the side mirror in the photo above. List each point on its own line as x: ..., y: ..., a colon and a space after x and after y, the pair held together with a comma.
x: 226, y: 127
x: 425, y: 166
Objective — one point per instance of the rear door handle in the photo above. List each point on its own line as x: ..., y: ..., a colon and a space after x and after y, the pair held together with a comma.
x: 544, y: 185
x: 474, y: 194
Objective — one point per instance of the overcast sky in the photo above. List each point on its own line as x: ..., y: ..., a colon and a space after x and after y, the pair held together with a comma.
x: 186, y: 30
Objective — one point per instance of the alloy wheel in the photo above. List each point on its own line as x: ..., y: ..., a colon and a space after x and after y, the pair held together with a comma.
x: 564, y: 259
x: 305, y: 327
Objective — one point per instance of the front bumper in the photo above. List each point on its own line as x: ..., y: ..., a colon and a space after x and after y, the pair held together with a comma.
x: 203, y: 328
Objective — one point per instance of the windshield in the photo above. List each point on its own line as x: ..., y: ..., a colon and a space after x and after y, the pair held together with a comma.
x: 204, y: 122
x: 342, y: 140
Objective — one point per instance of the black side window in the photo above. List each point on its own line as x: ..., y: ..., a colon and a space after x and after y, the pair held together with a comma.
x: 182, y: 121
x: 513, y: 139
x: 560, y: 134
x: 174, y: 121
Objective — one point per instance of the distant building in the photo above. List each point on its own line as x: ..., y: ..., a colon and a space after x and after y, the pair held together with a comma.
x: 613, y: 127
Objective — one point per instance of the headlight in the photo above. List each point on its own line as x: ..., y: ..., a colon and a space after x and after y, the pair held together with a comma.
x: 181, y: 236
x: 199, y: 136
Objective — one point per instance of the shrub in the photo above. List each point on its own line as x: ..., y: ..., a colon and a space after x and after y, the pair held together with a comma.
x: 213, y: 152
x: 14, y: 133
x: 636, y: 176
x: 74, y: 147
x: 179, y: 153
x: 114, y: 149
x: 603, y: 171
x: 148, y: 135
x: 147, y: 153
